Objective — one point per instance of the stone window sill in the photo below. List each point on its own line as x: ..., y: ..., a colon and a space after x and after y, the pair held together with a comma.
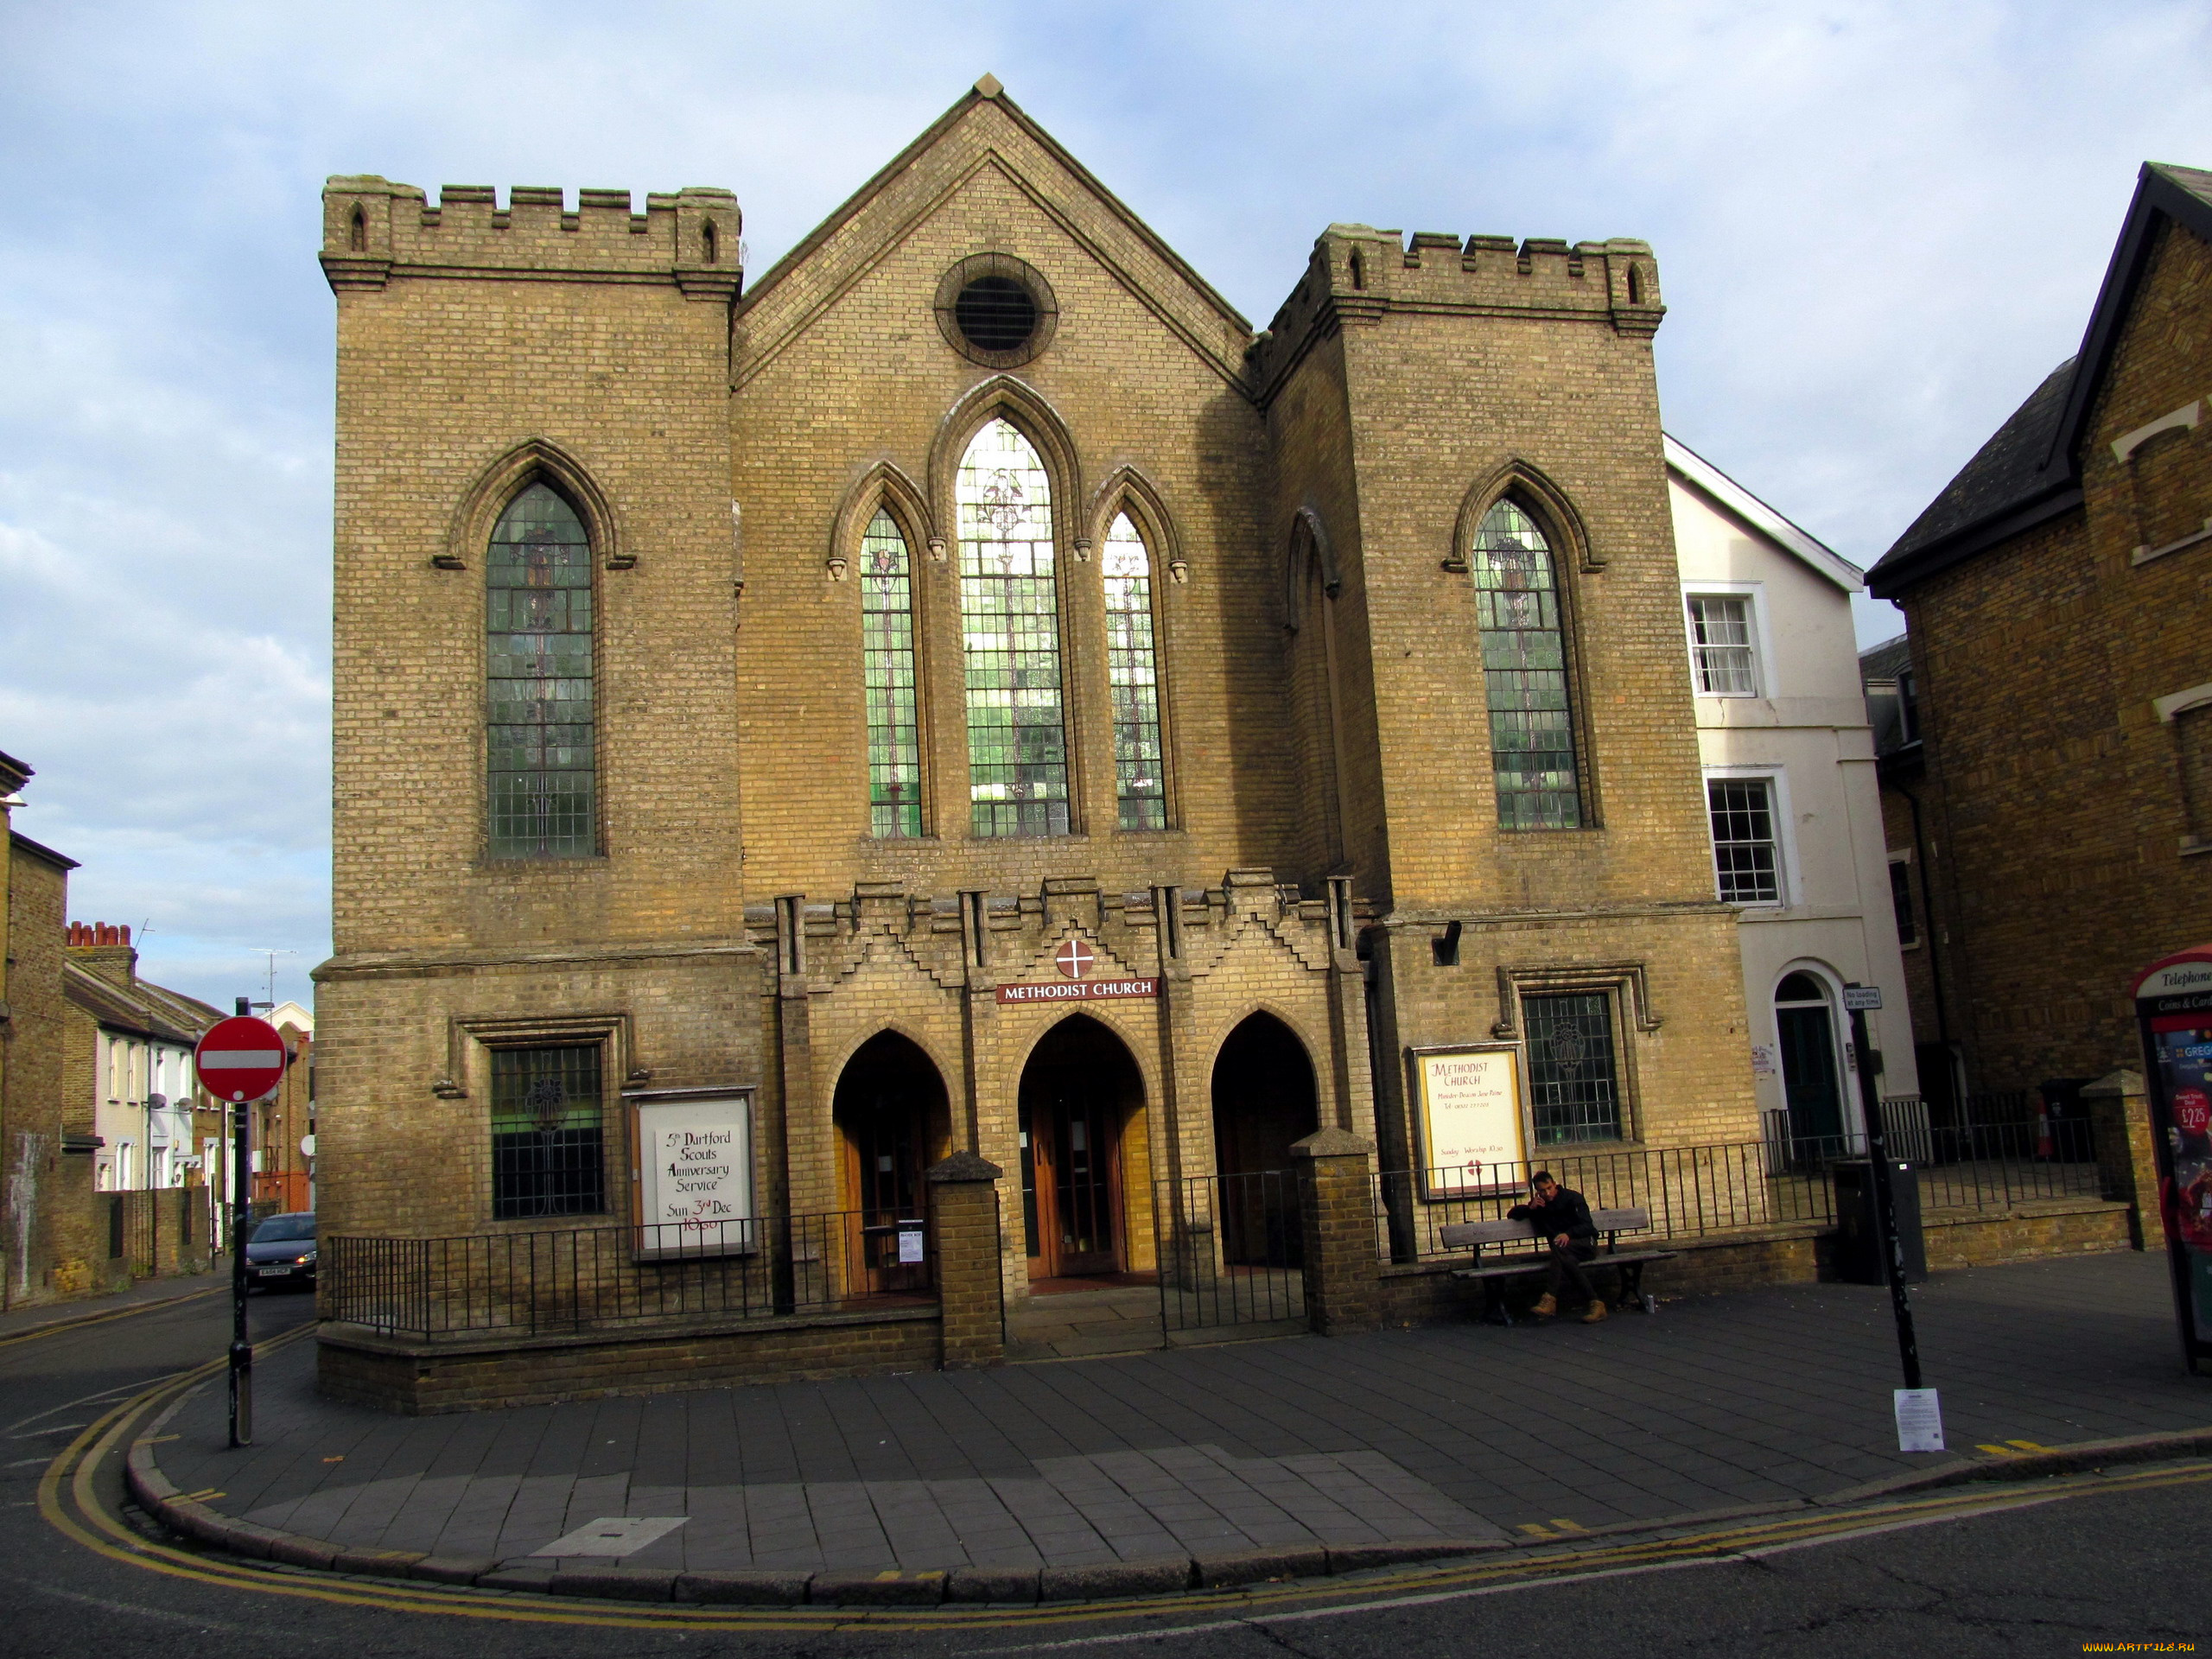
x: 2144, y: 555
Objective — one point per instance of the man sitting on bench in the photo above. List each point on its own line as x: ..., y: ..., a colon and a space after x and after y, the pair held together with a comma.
x: 1560, y: 1214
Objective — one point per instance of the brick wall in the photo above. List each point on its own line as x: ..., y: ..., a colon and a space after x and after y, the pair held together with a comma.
x: 52, y: 1249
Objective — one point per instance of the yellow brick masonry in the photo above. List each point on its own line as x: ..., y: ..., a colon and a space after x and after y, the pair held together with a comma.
x: 1329, y: 779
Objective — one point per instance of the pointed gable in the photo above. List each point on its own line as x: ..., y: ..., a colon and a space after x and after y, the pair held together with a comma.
x: 2030, y: 468
x: 984, y: 136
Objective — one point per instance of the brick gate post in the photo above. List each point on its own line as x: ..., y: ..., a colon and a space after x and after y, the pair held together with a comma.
x: 1336, y: 1214
x: 971, y: 1282
x: 2119, y: 1121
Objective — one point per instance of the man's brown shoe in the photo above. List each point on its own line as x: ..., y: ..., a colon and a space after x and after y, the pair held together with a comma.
x: 1547, y: 1305
x: 1596, y: 1315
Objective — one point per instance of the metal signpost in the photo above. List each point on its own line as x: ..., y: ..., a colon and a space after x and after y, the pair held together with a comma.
x: 240, y: 1061
x: 1920, y: 1426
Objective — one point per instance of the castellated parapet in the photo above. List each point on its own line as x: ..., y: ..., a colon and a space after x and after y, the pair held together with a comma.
x: 374, y: 229
x: 1357, y: 274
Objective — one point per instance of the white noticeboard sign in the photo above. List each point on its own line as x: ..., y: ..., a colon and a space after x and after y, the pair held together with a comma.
x: 695, y: 1175
x: 1470, y: 1118
x: 1920, y: 1420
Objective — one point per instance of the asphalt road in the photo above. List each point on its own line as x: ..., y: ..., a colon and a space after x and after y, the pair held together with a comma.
x: 2124, y: 1559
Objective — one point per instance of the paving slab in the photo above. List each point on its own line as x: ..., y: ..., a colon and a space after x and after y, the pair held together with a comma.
x: 1234, y: 1458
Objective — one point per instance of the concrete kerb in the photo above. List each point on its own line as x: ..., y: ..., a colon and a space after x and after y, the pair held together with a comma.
x: 114, y: 1308
x: 1116, y: 1580
x: 2030, y: 1466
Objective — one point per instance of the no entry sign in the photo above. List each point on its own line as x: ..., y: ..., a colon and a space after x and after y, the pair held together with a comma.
x: 240, y: 1060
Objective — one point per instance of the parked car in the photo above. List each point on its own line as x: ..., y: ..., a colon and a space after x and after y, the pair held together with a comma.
x: 281, y: 1251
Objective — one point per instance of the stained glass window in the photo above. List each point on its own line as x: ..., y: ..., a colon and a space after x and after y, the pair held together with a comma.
x: 894, y: 755
x: 547, y: 1155
x: 1573, y: 1088
x: 1524, y: 664
x: 1133, y: 673
x: 538, y: 670
x: 1010, y: 628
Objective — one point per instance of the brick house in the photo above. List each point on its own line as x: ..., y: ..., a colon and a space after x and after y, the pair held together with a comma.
x: 2047, y: 764
x: 130, y: 1064
x: 48, y: 1249
x: 969, y: 693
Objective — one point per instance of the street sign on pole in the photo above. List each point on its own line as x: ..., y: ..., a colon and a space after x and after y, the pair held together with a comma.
x: 240, y: 1060
x: 1917, y: 1406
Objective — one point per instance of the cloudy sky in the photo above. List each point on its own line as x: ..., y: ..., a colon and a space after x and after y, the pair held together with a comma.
x: 1879, y: 225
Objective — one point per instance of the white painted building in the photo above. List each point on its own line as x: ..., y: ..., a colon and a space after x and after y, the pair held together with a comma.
x: 1796, y: 818
x: 141, y: 1038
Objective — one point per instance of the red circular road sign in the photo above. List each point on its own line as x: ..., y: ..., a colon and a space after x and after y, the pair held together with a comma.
x: 240, y: 1060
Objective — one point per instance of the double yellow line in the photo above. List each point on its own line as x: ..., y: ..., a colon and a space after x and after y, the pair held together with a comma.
x: 69, y: 1499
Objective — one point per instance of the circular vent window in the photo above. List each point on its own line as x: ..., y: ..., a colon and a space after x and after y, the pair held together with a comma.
x: 995, y: 314
x: 995, y: 309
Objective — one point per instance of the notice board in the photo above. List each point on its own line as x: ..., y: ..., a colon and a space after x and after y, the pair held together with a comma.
x: 695, y: 1175
x: 1470, y: 1119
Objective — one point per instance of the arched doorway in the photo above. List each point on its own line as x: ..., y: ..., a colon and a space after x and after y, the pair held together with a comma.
x: 893, y: 1121
x: 1812, y: 1084
x: 1263, y: 1100
x: 1080, y: 1095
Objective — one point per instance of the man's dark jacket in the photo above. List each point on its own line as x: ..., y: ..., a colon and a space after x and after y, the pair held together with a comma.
x: 1566, y: 1212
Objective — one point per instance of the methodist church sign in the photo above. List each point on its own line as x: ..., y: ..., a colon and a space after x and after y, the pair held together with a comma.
x: 1075, y: 959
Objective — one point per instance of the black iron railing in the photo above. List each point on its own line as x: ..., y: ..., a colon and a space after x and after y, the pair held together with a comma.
x: 1697, y: 1192
x: 1690, y: 1191
x: 1230, y: 1249
x: 555, y: 1282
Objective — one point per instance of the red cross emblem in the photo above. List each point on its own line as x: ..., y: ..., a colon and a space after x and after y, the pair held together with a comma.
x: 1073, y: 959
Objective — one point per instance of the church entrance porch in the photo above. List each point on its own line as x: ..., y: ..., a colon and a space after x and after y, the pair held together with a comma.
x: 893, y: 1121
x: 1081, y: 1098
x: 1263, y: 1101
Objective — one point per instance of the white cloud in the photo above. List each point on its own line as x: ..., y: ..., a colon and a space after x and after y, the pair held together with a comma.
x: 1879, y: 226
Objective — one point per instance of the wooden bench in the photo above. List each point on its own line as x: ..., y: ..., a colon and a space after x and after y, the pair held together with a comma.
x: 1494, y: 1276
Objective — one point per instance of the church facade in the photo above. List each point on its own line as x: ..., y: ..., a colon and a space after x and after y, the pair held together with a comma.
x: 966, y: 690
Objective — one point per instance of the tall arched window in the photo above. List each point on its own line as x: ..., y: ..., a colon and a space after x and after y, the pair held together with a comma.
x: 1010, y: 626
x: 1524, y: 669
x: 894, y: 755
x: 537, y: 620
x: 1133, y: 673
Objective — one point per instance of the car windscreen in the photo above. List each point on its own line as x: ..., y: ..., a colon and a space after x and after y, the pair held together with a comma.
x: 278, y: 1228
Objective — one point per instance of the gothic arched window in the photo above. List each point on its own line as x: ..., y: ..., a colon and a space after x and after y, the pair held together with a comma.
x: 537, y: 620
x: 1133, y: 673
x: 1010, y: 628
x: 1524, y: 671
x: 894, y: 750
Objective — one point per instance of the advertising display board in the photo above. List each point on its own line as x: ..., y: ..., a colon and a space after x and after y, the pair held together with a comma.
x: 695, y: 1175
x: 1470, y: 1118
x: 2173, y: 1002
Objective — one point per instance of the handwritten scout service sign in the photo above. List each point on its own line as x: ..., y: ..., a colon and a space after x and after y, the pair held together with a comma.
x: 2173, y: 1005
x: 1074, y: 962
x: 1470, y: 1118
x: 695, y: 1175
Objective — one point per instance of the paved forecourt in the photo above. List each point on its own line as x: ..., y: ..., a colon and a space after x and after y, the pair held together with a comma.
x: 1454, y: 1434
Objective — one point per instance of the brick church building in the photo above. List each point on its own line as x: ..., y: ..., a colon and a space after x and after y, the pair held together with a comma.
x: 966, y: 691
